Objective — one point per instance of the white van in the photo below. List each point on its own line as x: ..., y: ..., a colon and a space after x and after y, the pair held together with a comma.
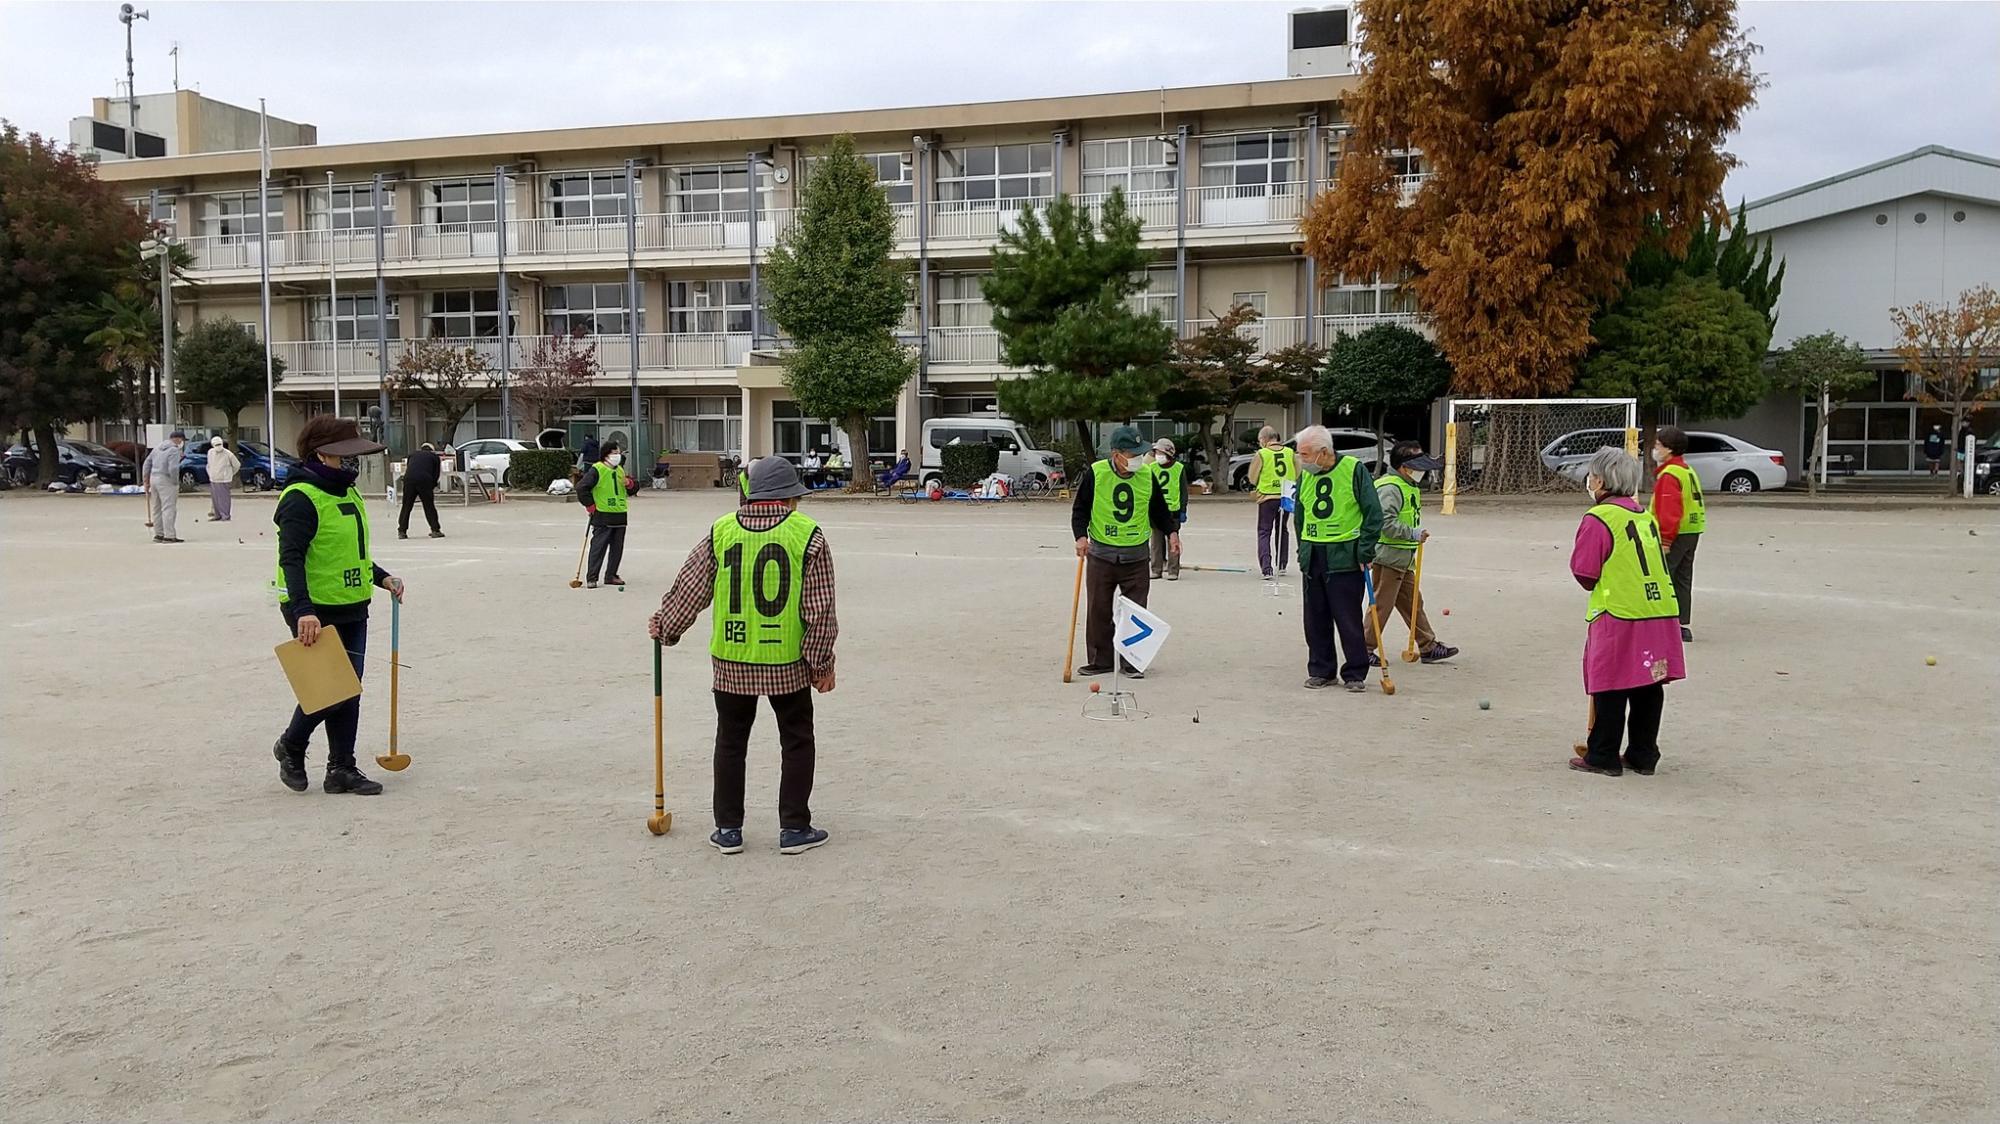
x: 1029, y: 466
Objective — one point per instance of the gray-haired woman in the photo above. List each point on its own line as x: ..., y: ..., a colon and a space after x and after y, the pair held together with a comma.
x: 1633, y: 646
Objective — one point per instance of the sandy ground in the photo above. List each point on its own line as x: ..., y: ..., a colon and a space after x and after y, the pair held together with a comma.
x: 1304, y: 906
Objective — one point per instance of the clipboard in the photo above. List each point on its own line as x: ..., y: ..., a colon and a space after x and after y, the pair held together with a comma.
x: 321, y: 675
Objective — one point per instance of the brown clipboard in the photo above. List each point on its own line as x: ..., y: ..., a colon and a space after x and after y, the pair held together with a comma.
x: 321, y: 675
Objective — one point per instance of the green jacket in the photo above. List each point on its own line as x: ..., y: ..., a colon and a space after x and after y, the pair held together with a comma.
x: 1344, y: 556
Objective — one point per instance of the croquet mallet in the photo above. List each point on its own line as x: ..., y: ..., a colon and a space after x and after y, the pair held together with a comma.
x: 1388, y: 685
x: 1416, y: 606
x: 393, y: 761
x: 1589, y: 723
x: 661, y: 821
x: 577, y: 581
x: 1075, y: 599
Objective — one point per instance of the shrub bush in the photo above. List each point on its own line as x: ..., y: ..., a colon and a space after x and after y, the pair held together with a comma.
x: 1076, y: 455
x: 534, y: 468
x: 967, y: 463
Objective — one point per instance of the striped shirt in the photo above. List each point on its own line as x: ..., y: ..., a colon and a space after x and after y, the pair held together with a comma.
x: 694, y: 591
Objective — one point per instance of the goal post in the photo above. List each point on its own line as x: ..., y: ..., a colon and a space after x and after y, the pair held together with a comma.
x: 1527, y: 446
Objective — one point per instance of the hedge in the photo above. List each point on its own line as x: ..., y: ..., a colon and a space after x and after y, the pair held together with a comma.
x: 1077, y: 456
x: 967, y: 463
x: 534, y: 468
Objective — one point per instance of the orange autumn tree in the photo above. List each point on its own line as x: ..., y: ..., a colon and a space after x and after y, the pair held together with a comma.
x: 1552, y: 132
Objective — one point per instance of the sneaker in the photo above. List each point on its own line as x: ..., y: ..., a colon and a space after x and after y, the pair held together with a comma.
x: 1687, y: 635
x: 1094, y: 669
x: 1155, y: 577
x: 614, y: 581
x: 1267, y: 575
x: 346, y: 780
x: 1131, y: 673
x: 1437, y: 653
x: 437, y: 534
x: 159, y: 538
x: 799, y: 840
x: 1374, y: 660
x: 1357, y: 686
x: 402, y: 534
x: 1318, y: 683
x: 1628, y: 764
x: 291, y: 765
x: 1174, y: 576
x: 1582, y: 766
x: 728, y: 840
x: 592, y: 584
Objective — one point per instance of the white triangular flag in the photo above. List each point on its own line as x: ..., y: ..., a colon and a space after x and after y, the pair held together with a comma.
x: 1136, y: 633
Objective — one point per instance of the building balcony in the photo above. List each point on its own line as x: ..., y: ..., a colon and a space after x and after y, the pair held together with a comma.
x: 314, y: 362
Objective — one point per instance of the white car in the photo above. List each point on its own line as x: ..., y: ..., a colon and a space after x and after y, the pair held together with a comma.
x: 495, y: 454
x: 1722, y: 463
x: 1357, y: 443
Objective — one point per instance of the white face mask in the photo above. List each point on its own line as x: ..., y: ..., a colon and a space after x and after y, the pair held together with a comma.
x: 615, y: 459
x: 1660, y: 455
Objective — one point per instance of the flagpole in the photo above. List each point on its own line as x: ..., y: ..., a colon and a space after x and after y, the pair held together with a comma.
x: 332, y: 295
x: 264, y: 274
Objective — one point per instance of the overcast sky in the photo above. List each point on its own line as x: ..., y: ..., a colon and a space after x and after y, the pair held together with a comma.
x: 1849, y: 83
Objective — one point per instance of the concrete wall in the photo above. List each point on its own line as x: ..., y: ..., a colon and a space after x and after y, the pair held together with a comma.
x: 1844, y: 272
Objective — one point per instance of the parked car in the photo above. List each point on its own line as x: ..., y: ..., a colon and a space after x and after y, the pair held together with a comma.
x: 74, y: 460
x: 495, y: 454
x: 1722, y: 463
x: 1032, y: 467
x: 1361, y: 444
x: 257, y: 472
x: 1986, y: 471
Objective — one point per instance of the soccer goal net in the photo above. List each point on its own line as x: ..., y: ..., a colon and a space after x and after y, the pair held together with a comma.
x: 1522, y: 446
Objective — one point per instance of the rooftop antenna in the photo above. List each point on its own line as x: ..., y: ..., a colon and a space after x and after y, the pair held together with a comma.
x: 175, y: 54
x: 126, y: 14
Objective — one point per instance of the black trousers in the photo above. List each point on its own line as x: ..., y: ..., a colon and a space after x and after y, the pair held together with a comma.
x: 343, y: 719
x: 1609, y: 726
x: 1103, y: 582
x: 606, y: 539
x: 1680, y: 566
x: 734, y: 716
x: 412, y: 495
x: 1335, y: 605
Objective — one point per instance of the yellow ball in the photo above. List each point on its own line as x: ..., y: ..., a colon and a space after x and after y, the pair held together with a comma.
x: 1930, y: 661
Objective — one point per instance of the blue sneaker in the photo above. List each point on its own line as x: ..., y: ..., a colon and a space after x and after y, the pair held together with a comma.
x: 799, y: 840
x: 728, y: 840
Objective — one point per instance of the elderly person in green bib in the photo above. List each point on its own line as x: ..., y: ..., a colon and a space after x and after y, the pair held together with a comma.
x: 326, y: 577
x: 1339, y: 523
x: 1271, y: 469
x: 1172, y: 472
x: 765, y: 573
x: 1678, y: 508
x: 1396, y: 556
x: 1119, y: 506
x: 605, y: 490
x: 1632, y: 648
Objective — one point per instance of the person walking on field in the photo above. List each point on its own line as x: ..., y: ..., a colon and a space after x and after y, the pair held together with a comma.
x: 1119, y: 505
x: 222, y: 469
x: 1633, y: 647
x: 1396, y: 555
x: 1173, y: 484
x: 162, y: 473
x: 420, y: 481
x: 604, y: 489
x: 326, y: 575
x: 1682, y: 516
x: 1271, y: 470
x: 765, y: 573
x: 1340, y: 521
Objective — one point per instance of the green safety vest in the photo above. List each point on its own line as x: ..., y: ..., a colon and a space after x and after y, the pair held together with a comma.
x: 758, y: 603
x: 1634, y: 585
x: 1170, y: 479
x: 609, y: 491
x: 1413, y: 508
x: 1275, y: 465
x: 1694, y: 513
x: 338, y: 568
x: 1119, y: 505
x: 1332, y: 511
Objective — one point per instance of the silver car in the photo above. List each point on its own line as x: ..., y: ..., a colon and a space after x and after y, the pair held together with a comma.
x: 1722, y: 463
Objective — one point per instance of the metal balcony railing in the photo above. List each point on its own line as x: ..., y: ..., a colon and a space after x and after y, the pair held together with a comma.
x: 1258, y: 204
x: 971, y: 346
x: 687, y: 351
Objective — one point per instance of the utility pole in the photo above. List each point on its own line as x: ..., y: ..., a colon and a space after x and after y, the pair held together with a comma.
x: 126, y: 15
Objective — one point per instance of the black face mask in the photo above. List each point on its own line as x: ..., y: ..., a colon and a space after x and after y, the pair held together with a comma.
x: 351, y: 464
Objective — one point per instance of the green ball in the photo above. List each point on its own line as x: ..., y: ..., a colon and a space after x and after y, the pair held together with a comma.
x: 1486, y: 704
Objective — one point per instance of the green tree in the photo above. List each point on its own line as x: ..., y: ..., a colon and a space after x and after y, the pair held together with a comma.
x: 1947, y: 348
x: 1387, y: 367
x: 221, y: 363
x: 1825, y: 369
x: 128, y: 344
x: 838, y: 292
x: 1689, y: 344
x: 1219, y: 368
x: 1060, y: 290
x: 1736, y: 262
x: 66, y: 240
x: 448, y: 381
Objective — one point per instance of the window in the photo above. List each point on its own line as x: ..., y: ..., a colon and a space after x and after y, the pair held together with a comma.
x: 895, y: 175
x: 454, y: 203
x: 352, y: 208
x: 466, y: 314
x: 710, y: 189
x: 710, y: 424
x: 235, y: 215
x: 1700, y: 443
x: 483, y: 422
x: 1134, y: 164
x: 986, y: 173
x: 960, y: 303
x: 1256, y: 301
x: 1366, y: 297
x: 144, y: 205
x: 1157, y: 297
x: 1250, y: 160
x: 586, y: 197
x: 708, y: 306
x: 793, y: 433
x: 594, y: 310
x: 1404, y: 162
x: 963, y: 405
x: 353, y: 319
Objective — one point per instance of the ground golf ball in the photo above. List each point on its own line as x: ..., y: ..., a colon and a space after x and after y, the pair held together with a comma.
x: 1486, y: 704
x: 1930, y: 661
x: 1094, y: 688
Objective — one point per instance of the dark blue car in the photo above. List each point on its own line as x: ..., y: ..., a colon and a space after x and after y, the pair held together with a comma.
x: 259, y: 471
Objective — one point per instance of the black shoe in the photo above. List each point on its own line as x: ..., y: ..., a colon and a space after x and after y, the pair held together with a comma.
x: 591, y: 584
x: 798, y: 840
x: 728, y: 840
x: 614, y: 581
x: 1374, y: 660
x: 346, y: 780
x: 437, y: 534
x: 1130, y: 672
x: 402, y: 534
x: 1356, y: 686
x: 1622, y: 760
x: 1318, y: 683
x: 1437, y: 653
x: 1094, y: 669
x: 291, y: 765
x: 1687, y: 635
